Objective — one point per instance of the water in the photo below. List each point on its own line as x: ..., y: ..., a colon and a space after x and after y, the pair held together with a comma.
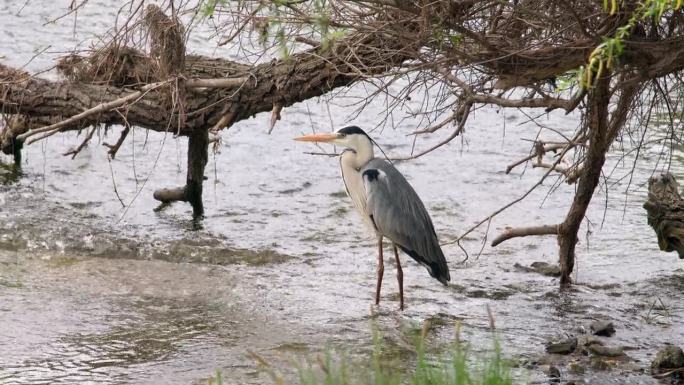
x: 91, y: 291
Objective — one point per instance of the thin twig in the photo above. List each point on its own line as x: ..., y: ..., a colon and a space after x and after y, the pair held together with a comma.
x: 78, y: 149
x: 113, y: 149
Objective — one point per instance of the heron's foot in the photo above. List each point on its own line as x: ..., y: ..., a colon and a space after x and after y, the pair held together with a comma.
x: 374, y: 310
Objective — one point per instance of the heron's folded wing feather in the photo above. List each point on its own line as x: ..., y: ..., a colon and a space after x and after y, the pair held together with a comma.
x: 399, y: 214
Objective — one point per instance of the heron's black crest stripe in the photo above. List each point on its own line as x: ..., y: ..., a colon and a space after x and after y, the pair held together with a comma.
x: 349, y: 130
x: 371, y: 174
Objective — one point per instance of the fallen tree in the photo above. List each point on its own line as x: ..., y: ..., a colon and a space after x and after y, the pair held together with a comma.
x: 121, y: 85
x: 612, y: 62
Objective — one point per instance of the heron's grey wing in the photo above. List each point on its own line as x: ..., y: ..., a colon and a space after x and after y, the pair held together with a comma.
x: 398, y: 214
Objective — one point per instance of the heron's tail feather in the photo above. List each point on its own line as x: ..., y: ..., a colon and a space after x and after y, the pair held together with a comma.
x: 437, y: 269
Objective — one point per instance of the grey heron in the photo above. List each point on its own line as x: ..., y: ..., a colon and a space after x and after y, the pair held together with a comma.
x: 388, y: 204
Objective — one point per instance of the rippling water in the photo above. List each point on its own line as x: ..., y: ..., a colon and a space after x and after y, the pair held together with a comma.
x: 94, y: 291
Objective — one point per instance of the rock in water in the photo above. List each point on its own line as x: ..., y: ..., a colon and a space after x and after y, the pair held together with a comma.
x: 565, y: 346
x: 542, y: 268
x: 554, y: 375
x: 669, y: 357
x: 547, y: 269
x: 602, y: 328
x: 605, y: 351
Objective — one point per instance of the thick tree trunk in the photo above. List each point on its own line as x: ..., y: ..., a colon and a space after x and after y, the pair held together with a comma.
x: 198, y: 155
x: 602, y: 132
x: 597, y: 125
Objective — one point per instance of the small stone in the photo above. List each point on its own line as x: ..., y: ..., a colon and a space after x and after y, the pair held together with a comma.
x: 606, y: 351
x: 542, y: 268
x: 669, y: 357
x: 565, y: 346
x: 600, y: 364
x: 590, y: 340
x: 602, y: 328
x: 554, y: 374
x: 547, y: 269
x: 576, y: 368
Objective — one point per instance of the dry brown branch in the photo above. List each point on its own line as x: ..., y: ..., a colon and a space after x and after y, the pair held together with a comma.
x: 114, y: 148
x: 309, y: 42
x: 556, y: 168
x: 549, y: 104
x: 81, y: 146
x: 247, y: 20
x: 435, y: 127
x: 546, y: 147
x: 462, y: 116
x: 515, y: 201
x: 524, y: 232
x: 275, y: 116
x: 225, y: 121
x: 216, y: 83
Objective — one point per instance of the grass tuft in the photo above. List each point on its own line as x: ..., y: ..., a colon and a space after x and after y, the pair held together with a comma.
x: 455, y: 366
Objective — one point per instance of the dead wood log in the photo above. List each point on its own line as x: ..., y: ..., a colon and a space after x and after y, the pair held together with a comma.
x: 283, y: 82
x: 665, y: 212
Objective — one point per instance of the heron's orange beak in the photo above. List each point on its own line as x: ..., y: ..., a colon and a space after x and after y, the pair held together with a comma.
x: 317, y: 138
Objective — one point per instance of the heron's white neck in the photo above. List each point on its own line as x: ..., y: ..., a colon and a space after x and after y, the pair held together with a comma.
x: 357, y: 157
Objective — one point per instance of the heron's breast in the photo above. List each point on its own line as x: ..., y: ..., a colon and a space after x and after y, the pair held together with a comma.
x: 353, y: 183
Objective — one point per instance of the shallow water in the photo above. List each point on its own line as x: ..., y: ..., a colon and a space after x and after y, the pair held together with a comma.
x: 94, y: 291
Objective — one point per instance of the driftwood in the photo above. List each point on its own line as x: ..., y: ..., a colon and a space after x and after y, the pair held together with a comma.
x: 665, y: 208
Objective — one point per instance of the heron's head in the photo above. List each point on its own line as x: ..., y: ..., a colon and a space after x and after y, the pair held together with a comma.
x: 349, y: 137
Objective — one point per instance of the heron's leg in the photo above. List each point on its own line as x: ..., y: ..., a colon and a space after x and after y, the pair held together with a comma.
x: 381, y: 270
x: 400, y: 277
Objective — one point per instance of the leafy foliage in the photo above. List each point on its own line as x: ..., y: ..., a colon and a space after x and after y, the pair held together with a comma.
x: 606, y: 54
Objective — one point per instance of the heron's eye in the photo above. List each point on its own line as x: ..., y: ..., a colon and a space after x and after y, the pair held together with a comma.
x: 342, y: 135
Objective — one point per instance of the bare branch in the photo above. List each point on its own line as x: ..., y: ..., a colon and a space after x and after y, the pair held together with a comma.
x: 225, y: 121
x: 216, y: 83
x: 275, y: 115
x: 113, y: 149
x: 540, y: 151
x: 78, y: 149
x: 525, y: 232
x: 557, y: 168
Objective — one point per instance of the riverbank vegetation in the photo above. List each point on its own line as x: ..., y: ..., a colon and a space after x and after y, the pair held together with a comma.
x: 455, y: 365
